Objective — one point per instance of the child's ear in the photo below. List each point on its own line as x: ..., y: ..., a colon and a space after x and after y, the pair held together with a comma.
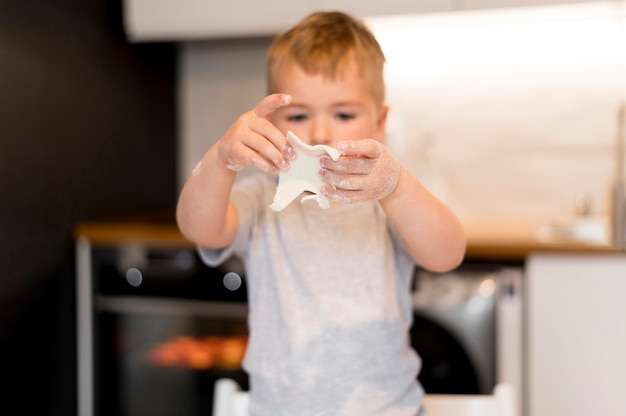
x: 381, y: 123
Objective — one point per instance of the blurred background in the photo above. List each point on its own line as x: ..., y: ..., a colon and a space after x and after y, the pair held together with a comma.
x: 505, y: 109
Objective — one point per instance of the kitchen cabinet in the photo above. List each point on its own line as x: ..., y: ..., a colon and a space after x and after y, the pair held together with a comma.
x: 576, y: 334
x: 177, y: 20
x: 496, y: 4
x: 365, y: 8
x: 152, y: 20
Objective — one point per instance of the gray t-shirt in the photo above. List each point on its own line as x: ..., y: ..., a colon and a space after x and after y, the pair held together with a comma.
x: 330, y: 308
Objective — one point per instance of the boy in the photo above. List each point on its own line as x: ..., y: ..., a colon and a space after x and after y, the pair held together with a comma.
x: 328, y: 289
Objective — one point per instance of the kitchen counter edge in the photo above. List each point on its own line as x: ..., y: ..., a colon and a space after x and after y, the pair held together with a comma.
x: 485, y: 241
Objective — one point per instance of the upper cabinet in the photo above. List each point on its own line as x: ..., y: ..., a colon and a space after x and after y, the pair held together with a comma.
x: 367, y: 8
x: 496, y: 4
x: 180, y: 20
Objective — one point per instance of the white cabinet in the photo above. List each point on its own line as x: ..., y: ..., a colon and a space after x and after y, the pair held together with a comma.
x: 366, y: 8
x: 496, y: 4
x: 576, y: 334
x: 177, y: 20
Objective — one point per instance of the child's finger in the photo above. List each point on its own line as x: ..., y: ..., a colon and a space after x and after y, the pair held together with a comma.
x: 266, y: 107
x: 350, y: 164
x: 264, y: 111
x: 265, y: 147
x: 365, y: 148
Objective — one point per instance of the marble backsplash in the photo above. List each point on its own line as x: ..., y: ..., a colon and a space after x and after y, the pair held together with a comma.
x: 508, y: 116
x: 531, y: 154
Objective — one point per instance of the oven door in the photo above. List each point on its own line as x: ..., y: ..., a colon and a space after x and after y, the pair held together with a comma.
x: 166, y: 328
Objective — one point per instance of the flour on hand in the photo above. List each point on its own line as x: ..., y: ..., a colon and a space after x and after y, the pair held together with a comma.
x: 303, y: 174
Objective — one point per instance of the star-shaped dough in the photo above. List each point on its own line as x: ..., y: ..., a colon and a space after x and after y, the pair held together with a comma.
x: 302, y: 175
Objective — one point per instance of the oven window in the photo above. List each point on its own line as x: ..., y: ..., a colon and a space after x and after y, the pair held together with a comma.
x: 165, y: 365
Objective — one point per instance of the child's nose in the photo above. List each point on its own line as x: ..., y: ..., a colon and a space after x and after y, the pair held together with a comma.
x: 320, y: 134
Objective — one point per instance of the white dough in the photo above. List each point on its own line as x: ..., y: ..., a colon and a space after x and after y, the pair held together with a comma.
x: 302, y: 175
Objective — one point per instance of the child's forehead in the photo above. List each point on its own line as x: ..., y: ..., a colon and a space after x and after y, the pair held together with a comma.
x: 346, y: 89
x: 332, y: 68
x: 326, y: 68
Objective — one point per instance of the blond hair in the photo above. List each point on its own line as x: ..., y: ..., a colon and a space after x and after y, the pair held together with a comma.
x: 326, y: 43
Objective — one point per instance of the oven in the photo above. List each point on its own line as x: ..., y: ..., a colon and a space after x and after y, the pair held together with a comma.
x: 157, y: 328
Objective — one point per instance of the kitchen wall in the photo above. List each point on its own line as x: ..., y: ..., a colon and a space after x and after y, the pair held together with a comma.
x: 504, y: 114
x: 218, y: 81
x: 87, y: 131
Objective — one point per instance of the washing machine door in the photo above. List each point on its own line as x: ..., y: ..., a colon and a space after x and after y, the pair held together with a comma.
x: 453, y: 329
x: 446, y: 366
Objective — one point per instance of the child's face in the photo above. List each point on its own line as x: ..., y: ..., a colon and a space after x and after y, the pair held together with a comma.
x: 326, y: 111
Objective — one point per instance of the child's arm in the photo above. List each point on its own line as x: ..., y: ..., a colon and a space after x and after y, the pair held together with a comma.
x: 431, y: 232
x: 204, y: 213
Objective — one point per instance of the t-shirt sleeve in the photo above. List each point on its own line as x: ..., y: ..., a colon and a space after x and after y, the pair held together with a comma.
x: 214, y: 258
x: 251, y: 197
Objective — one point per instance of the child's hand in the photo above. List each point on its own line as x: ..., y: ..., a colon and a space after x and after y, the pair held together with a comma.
x: 253, y: 140
x: 366, y: 171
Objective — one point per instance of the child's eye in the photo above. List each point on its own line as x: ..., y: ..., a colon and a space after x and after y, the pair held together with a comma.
x: 345, y: 116
x: 295, y: 118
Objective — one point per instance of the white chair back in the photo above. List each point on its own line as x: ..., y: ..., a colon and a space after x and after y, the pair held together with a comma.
x: 229, y: 399
x: 500, y: 403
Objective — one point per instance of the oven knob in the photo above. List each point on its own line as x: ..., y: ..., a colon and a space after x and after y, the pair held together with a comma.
x: 134, y: 276
x: 232, y: 281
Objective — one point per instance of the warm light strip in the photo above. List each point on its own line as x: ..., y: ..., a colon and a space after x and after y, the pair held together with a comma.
x: 526, y: 43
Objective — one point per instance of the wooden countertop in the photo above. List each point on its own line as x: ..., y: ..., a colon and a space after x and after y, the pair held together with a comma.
x: 154, y: 229
x: 502, y: 241
x: 515, y: 240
